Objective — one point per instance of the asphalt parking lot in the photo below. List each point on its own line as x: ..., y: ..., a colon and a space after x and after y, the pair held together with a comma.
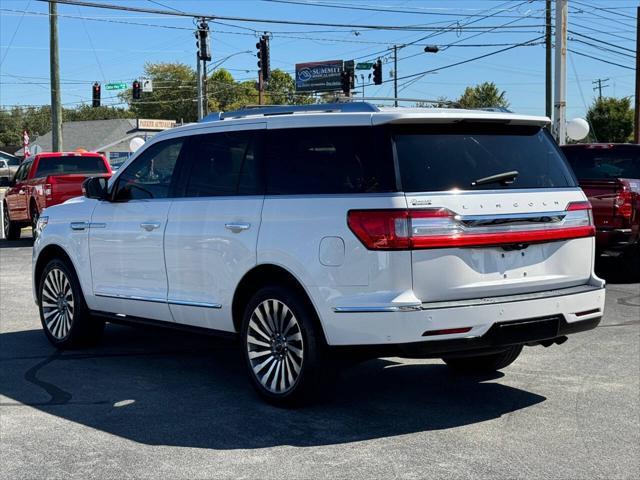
x: 161, y: 404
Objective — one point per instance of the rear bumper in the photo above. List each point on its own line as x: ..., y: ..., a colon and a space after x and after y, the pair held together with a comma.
x: 575, y: 308
x: 533, y: 331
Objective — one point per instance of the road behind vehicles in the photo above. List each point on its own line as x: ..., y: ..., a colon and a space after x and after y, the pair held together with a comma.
x: 610, y: 176
x: 314, y: 231
x: 45, y: 180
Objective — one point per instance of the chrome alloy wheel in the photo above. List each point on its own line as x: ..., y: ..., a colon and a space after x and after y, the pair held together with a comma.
x: 274, y: 346
x: 57, y: 303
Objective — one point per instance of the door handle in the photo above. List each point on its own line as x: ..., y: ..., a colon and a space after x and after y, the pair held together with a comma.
x: 237, y: 227
x: 148, y: 226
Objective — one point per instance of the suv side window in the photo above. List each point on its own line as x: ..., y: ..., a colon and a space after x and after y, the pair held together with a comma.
x: 151, y: 174
x: 329, y: 160
x: 222, y: 164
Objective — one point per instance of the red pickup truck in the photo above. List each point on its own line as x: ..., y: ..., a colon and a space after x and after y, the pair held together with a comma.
x: 44, y: 180
x: 609, y: 174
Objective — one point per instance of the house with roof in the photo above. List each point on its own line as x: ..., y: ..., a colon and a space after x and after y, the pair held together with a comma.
x: 110, y: 137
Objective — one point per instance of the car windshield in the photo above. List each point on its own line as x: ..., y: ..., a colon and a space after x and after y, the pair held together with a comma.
x: 69, y: 164
x: 445, y: 157
x: 604, y: 163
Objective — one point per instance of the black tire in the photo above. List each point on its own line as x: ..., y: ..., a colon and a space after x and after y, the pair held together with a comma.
x: 631, y: 262
x: 291, y: 339
x: 33, y: 211
x: 11, y: 229
x: 484, y: 363
x: 64, y: 315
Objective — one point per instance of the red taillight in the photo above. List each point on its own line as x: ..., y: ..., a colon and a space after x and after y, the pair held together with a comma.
x: 442, y: 228
x: 624, y: 203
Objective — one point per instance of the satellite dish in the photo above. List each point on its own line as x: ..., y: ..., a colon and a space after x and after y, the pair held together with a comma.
x: 135, y: 144
x: 577, y: 129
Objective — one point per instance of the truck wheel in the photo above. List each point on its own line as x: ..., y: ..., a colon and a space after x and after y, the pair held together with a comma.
x: 484, y: 363
x: 35, y: 215
x: 284, y: 352
x: 11, y: 229
x: 65, y: 318
x: 631, y: 262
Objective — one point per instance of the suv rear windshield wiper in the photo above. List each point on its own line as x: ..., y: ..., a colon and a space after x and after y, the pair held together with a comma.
x: 505, y: 178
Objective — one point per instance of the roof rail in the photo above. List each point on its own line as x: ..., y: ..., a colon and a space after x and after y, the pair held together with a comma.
x: 270, y: 110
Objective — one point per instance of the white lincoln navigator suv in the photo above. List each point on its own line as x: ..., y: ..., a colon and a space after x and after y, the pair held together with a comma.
x: 311, y: 231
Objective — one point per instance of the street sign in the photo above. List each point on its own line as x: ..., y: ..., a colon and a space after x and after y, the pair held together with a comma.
x: 147, y: 85
x: 116, y: 86
x: 364, y: 66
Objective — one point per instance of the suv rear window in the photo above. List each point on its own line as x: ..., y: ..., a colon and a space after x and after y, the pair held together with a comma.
x: 329, y: 160
x: 435, y: 158
x: 604, y: 163
x: 70, y: 164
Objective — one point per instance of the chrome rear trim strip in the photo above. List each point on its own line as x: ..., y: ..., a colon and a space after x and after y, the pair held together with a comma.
x: 381, y: 309
x: 510, y: 298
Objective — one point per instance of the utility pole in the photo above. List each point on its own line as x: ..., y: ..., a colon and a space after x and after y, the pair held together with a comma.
x: 560, y: 103
x: 199, y: 84
x: 599, y: 86
x: 56, y: 106
x: 548, y: 104
x: 395, y: 74
x: 636, y: 128
x: 260, y: 88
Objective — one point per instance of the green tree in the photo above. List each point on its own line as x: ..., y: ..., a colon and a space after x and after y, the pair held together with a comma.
x: 281, y: 90
x: 225, y: 94
x: 173, y: 97
x: 484, y: 95
x: 611, y: 119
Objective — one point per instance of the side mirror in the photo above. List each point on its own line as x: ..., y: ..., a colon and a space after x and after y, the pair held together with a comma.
x: 95, y: 187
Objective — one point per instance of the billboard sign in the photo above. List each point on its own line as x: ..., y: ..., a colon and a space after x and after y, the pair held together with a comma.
x: 319, y: 76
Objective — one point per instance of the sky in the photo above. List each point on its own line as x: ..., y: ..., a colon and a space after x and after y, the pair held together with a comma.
x: 112, y: 46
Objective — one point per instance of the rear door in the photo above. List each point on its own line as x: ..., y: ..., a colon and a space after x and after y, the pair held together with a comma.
x: 475, y: 236
x: 212, y: 229
x: 127, y: 233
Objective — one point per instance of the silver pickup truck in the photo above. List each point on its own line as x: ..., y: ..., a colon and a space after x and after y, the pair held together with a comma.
x: 8, y: 166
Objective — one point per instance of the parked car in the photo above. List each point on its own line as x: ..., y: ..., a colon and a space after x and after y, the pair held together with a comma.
x: 8, y: 166
x: 317, y: 232
x: 44, y: 180
x: 610, y: 176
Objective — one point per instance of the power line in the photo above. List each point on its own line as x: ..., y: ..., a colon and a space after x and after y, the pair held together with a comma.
x: 601, y: 41
x: 600, y: 59
x: 380, y: 9
x: 601, y: 9
x: 255, y: 20
x: 602, y: 48
x: 15, y: 33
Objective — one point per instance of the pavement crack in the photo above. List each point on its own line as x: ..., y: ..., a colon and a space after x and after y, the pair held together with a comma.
x: 58, y: 396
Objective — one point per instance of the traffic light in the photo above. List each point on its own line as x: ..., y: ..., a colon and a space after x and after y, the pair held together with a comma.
x: 263, y: 57
x: 377, y: 72
x: 346, y: 80
x: 95, y: 95
x: 137, y: 90
x: 203, y: 42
